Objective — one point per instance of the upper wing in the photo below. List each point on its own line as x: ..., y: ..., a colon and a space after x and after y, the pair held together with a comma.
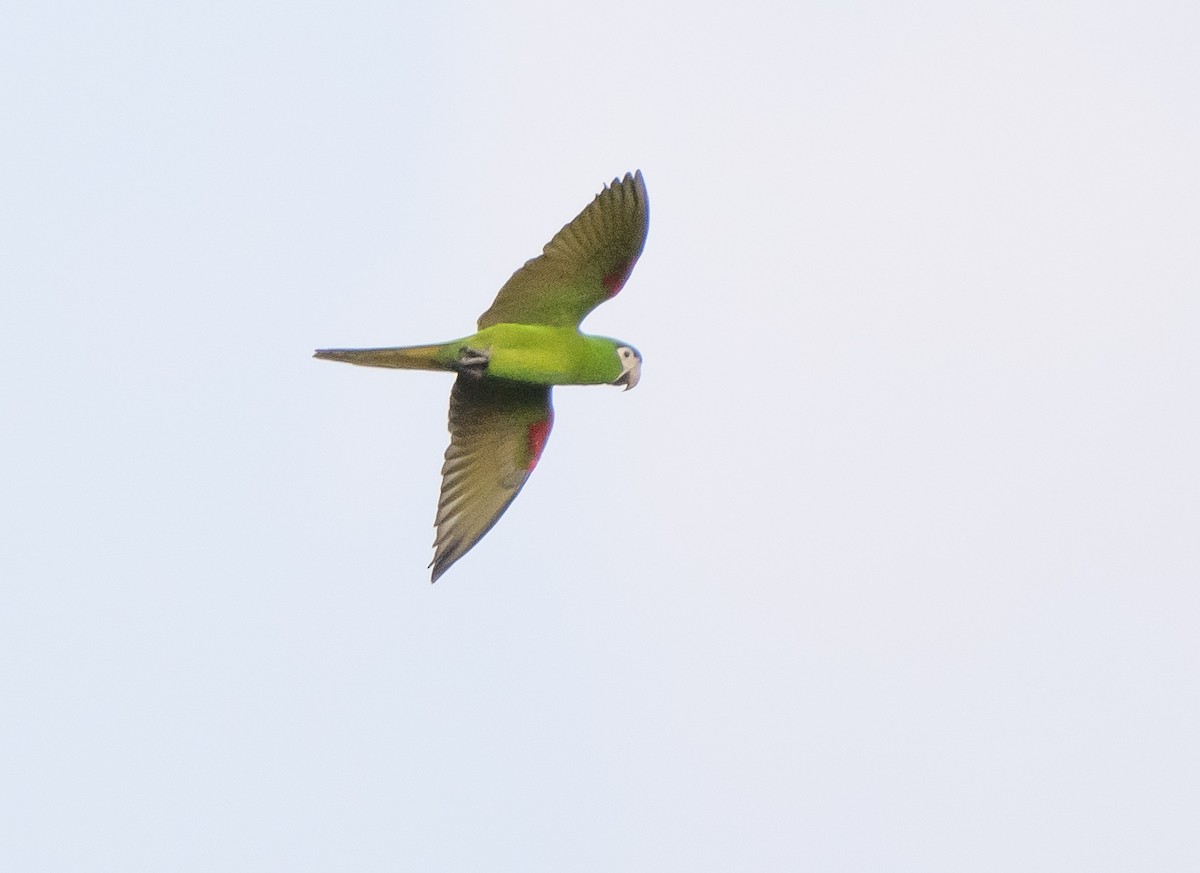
x: 586, y: 263
x: 497, y: 431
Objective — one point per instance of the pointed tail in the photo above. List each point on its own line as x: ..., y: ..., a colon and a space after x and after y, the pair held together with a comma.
x: 406, y: 358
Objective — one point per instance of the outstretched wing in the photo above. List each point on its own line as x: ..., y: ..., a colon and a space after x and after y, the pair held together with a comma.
x: 586, y: 263
x: 497, y: 431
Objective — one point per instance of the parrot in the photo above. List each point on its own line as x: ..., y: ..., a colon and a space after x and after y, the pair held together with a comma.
x: 527, y: 342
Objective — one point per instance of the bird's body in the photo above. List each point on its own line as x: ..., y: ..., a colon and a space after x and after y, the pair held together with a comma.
x: 526, y: 343
x: 536, y: 353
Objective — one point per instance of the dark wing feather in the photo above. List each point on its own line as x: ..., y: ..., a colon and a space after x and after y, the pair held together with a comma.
x: 586, y: 263
x: 497, y: 431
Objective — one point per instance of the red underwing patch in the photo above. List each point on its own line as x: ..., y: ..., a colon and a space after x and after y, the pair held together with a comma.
x: 614, y: 281
x: 538, y: 431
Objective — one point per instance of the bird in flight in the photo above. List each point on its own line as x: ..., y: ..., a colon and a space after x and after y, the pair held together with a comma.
x: 526, y: 343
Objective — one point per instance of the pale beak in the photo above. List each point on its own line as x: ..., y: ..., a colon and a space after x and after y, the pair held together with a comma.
x: 631, y: 376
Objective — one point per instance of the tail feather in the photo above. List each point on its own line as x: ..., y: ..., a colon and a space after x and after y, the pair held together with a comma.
x: 405, y: 358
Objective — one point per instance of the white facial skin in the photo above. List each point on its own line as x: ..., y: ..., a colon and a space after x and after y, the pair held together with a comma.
x: 631, y: 367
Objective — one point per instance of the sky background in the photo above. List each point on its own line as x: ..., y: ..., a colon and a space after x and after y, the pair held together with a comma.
x: 889, y: 563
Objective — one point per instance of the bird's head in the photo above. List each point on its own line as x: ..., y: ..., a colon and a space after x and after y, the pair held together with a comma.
x: 631, y: 366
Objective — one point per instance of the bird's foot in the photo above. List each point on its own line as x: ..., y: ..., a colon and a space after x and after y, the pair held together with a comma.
x: 472, y: 362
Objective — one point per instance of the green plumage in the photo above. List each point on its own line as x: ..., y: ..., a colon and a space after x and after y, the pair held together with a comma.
x: 534, y: 353
x: 528, y: 341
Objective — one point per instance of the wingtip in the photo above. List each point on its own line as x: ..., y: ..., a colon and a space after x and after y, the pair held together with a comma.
x: 636, y: 185
x: 439, y: 567
x: 634, y: 177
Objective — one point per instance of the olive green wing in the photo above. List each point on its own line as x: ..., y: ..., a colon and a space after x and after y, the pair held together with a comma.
x: 497, y: 431
x: 586, y: 263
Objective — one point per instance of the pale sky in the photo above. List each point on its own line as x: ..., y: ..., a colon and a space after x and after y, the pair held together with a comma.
x: 891, y: 561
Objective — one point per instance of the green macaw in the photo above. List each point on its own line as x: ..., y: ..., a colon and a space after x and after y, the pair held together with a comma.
x: 527, y: 342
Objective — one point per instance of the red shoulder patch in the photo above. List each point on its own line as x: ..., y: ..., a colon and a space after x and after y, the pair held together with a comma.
x: 615, y: 281
x: 538, y: 432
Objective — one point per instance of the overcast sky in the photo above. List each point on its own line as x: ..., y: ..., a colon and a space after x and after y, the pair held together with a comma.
x: 890, y: 562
